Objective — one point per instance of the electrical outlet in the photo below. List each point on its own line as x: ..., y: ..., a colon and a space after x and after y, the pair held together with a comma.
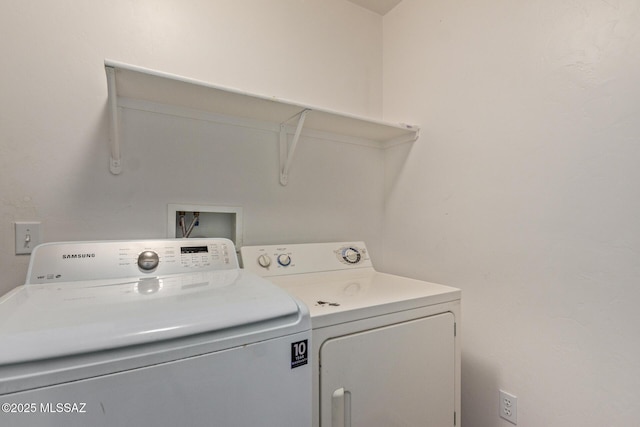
x: 508, y: 407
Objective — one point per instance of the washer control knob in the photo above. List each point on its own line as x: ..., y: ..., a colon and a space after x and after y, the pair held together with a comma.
x: 148, y: 260
x: 264, y: 261
x: 284, y: 260
x: 351, y: 255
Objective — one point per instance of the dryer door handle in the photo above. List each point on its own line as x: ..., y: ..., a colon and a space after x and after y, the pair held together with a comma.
x: 341, y: 408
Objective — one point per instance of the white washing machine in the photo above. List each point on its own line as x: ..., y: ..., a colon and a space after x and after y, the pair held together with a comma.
x: 386, y: 348
x: 151, y: 333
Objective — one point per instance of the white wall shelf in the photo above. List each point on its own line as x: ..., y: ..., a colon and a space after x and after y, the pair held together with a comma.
x: 136, y: 87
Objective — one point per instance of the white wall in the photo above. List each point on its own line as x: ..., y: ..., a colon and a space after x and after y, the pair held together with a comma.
x: 523, y: 191
x: 53, y: 119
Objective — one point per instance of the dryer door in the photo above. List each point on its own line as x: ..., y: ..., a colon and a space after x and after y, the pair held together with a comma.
x: 397, y: 375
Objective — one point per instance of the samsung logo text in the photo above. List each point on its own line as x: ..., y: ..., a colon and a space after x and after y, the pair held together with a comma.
x: 76, y: 256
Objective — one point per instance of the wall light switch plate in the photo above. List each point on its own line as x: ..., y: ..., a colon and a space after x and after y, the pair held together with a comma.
x: 27, y: 236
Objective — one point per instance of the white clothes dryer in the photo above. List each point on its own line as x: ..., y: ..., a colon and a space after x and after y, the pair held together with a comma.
x: 386, y: 348
x: 151, y: 333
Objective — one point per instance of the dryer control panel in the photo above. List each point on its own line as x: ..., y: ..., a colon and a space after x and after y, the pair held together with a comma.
x: 279, y: 260
x: 81, y: 261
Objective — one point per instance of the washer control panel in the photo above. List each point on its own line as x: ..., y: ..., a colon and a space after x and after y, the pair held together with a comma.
x: 275, y: 260
x: 65, y: 262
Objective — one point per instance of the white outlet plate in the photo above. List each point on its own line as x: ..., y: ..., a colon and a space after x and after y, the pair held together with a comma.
x: 27, y: 236
x: 508, y: 407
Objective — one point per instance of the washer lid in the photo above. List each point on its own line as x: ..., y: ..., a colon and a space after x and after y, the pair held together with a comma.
x: 52, y: 320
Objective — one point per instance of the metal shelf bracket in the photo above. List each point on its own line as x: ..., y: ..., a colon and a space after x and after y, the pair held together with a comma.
x: 286, y: 152
x: 115, y: 162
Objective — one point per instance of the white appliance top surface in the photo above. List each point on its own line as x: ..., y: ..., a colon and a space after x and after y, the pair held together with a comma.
x: 336, y: 290
x: 46, y: 320
x: 342, y: 296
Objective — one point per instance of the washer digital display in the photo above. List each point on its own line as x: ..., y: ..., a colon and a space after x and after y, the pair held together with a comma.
x: 193, y: 249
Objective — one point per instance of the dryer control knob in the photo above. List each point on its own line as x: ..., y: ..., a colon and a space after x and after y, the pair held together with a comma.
x: 284, y: 260
x: 264, y: 261
x: 351, y: 255
x: 148, y: 260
